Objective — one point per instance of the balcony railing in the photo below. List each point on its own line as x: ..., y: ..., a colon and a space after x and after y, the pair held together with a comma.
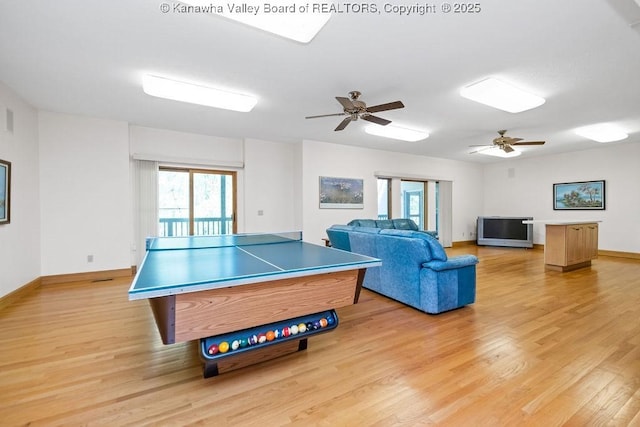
x: 172, y: 227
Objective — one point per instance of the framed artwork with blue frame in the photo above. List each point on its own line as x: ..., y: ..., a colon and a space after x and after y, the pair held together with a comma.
x: 584, y: 195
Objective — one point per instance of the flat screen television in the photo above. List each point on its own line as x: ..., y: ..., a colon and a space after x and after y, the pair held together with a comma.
x: 504, y: 231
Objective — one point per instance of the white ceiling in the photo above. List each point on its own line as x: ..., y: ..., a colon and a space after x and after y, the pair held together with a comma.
x: 583, y: 56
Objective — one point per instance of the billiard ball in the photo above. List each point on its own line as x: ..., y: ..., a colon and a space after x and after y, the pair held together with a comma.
x: 270, y: 336
x: 223, y: 347
x: 316, y: 325
x: 253, y: 340
x: 286, y: 331
x: 302, y: 327
x: 331, y: 320
x: 235, y: 344
x: 323, y: 323
x: 213, y: 349
x: 244, y: 342
x: 262, y: 338
x: 294, y: 329
x: 309, y: 326
x: 277, y: 334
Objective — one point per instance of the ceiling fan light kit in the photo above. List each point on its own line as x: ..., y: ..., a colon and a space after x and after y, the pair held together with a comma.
x: 602, y: 132
x: 497, y: 152
x: 501, y: 95
x: 196, y: 94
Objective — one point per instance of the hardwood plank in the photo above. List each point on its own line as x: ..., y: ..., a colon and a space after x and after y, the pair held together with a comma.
x: 537, y: 348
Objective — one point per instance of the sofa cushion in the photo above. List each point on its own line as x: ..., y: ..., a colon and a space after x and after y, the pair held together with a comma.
x: 404, y: 224
x: 384, y: 223
x: 437, y: 251
x: 435, y: 248
x: 363, y: 223
x: 339, y: 236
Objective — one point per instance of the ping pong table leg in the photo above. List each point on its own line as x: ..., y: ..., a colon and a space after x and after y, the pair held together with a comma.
x: 359, y: 282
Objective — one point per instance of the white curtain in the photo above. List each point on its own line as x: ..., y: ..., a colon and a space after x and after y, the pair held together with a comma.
x: 145, y: 204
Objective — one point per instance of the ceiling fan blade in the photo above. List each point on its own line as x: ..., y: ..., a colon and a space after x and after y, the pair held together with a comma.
x: 345, y: 102
x: 530, y: 143
x: 506, y: 140
x: 375, y: 119
x: 325, y: 115
x: 385, y: 107
x: 507, y: 148
x: 343, y: 124
x: 510, y: 140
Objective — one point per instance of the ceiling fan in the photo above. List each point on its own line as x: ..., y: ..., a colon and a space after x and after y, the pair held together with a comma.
x: 355, y: 109
x: 505, y: 143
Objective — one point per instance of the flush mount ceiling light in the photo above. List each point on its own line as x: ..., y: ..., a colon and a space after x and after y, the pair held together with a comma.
x: 497, y: 152
x: 503, y: 96
x: 282, y: 17
x: 396, y: 132
x: 196, y: 94
x: 602, y: 132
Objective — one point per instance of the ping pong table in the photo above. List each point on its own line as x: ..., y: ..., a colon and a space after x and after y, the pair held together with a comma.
x: 221, y: 289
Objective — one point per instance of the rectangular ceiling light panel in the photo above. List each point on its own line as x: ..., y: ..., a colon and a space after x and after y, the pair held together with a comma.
x: 196, y: 94
x: 296, y: 21
x: 503, y: 96
x: 602, y: 132
x: 396, y: 132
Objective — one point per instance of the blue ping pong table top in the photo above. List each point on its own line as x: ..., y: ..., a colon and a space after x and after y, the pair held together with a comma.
x: 175, y: 265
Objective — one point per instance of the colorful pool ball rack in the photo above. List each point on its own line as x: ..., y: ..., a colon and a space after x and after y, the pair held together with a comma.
x: 233, y: 350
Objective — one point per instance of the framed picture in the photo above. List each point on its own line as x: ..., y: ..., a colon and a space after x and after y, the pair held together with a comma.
x: 341, y: 193
x: 587, y: 195
x: 5, y: 192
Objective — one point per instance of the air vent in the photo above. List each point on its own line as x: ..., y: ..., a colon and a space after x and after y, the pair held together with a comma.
x: 9, y: 121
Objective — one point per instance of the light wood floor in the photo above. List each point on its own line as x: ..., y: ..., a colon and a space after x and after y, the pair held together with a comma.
x: 537, y: 348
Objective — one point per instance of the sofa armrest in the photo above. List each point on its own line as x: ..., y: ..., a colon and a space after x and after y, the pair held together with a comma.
x: 452, y: 263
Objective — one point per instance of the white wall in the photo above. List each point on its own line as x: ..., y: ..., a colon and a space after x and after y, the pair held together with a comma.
x: 524, y: 187
x: 171, y: 147
x: 20, y: 239
x: 269, y: 198
x: 323, y: 159
x: 85, y: 194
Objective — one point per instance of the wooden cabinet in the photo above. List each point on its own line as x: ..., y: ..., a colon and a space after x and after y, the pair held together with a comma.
x: 570, y: 246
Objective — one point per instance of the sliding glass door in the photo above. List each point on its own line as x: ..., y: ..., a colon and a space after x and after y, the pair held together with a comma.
x: 196, y: 202
x: 413, y: 201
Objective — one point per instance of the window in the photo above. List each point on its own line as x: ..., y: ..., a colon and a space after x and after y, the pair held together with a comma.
x: 194, y: 202
x: 384, y: 202
x: 413, y: 201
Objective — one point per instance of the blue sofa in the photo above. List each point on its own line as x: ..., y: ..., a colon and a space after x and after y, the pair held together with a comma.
x: 397, y: 224
x: 415, y: 268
